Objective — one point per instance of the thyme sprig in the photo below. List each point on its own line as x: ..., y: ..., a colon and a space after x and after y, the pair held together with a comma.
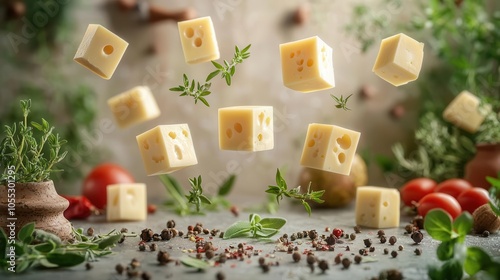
x: 341, y: 102
x: 228, y: 69
x: 196, y: 196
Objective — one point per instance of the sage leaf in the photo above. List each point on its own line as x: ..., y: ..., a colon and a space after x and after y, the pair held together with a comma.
x: 65, y: 259
x: 273, y: 223
x: 195, y: 263
x: 265, y: 232
x: 476, y: 260
x: 109, y: 241
x: 3, y: 243
x: 43, y: 236
x: 45, y: 263
x: 438, y: 225
x: 237, y: 229
x: 26, y: 232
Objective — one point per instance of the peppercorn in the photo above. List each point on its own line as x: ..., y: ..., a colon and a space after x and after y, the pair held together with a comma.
x: 346, y: 263
x: 153, y: 247
x: 265, y: 268
x: 300, y: 235
x: 386, y: 251
x: 181, y: 233
x: 323, y: 265
x: 206, y: 231
x: 409, y: 228
x: 221, y: 235
x: 145, y: 275
x: 312, y: 234
x: 293, y: 237
x: 132, y: 272
x: 220, y: 276
x: 170, y: 224
x: 338, y: 258
x: 290, y: 249
x: 418, y: 251
x: 352, y: 236
x: 392, y: 240
x: 372, y: 249
x: 135, y: 263
x: 222, y: 258
x: 142, y: 246
x: 418, y: 222
x: 209, y: 254
x: 119, y: 268
x: 331, y: 248
x: 198, y: 228
x: 123, y: 230
x: 163, y: 257
x: 357, y: 259
x: 417, y: 236
x: 304, y: 233
x: 147, y: 234
x: 262, y: 261
x: 347, y: 248
x: 357, y: 229
x: 368, y: 242
x: 90, y: 231
x: 311, y: 259
x: 380, y: 233
x: 392, y: 274
x: 362, y: 251
x: 166, y: 234
x: 400, y: 248
x: 122, y: 239
x: 383, y: 239
x: 485, y: 233
x: 331, y: 240
x: 296, y: 256
x: 156, y: 237
x: 394, y: 254
x: 88, y: 266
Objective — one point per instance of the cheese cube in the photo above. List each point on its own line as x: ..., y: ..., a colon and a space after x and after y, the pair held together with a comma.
x: 307, y: 65
x: 246, y: 128
x: 329, y: 148
x: 464, y: 112
x: 100, y: 51
x: 399, y: 59
x: 134, y: 106
x: 166, y: 148
x: 198, y: 40
x: 377, y: 207
x: 126, y: 202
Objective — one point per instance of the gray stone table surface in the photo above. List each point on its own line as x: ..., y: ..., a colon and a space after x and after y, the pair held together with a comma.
x: 412, y: 266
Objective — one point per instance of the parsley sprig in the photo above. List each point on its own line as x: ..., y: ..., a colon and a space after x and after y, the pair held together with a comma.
x: 256, y: 227
x: 199, y: 90
x: 281, y: 190
x: 341, y: 102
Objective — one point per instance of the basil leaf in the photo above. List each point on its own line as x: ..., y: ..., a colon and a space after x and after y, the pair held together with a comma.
x: 226, y: 187
x: 438, y: 225
x: 237, y: 229
x: 476, y: 260
x: 445, y: 250
x: 196, y: 263
x: 463, y: 225
x: 453, y: 270
x: 109, y: 241
x: 273, y: 223
x: 65, y: 259
x: 26, y: 232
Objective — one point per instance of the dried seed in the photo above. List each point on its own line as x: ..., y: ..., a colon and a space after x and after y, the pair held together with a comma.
x: 368, y: 242
x: 293, y: 237
x: 409, y: 228
x: 88, y: 266
x: 338, y: 258
x: 166, y: 234
x: 220, y: 276
x: 418, y: 251
x: 362, y: 251
x: 221, y: 235
x: 163, y: 257
x: 135, y: 263
x: 357, y: 229
x: 312, y: 234
x: 323, y: 265
x: 311, y: 259
x: 417, y: 236
x: 265, y: 268
x: 372, y: 249
x: 147, y: 234
x: 124, y: 230
x: 485, y: 233
x: 209, y: 254
x: 119, y: 268
x: 170, y: 224
x: 392, y: 274
x: 296, y: 256
x: 206, y: 231
x: 394, y: 254
x: 400, y: 248
x: 392, y: 240
x: 381, y: 233
x: 383, y: 239
x: 262, y: 261
x: 357, y: 259
x: 181, y: 233
x: 90, y: 231
x: 153, y: 247
x: 156, y: 237
x: 132, y: 272
x: 331, y: 240
x: 145, y: 275
x: 142, y: 246
x: 346, y: 263
x: 352, y: 236
x: 386, y: 251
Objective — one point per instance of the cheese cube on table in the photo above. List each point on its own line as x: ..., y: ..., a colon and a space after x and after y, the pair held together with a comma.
x: 198, y: 40
x: 246, y: 128
x: 307, y: 65
x: 329, y: 148
x: 126, y: 202
x: 166, y: 148
x: 134, y: 106
x: 377, y: 207
x: 399, y: 59
x: 100, y: 51
x: 464, y: 112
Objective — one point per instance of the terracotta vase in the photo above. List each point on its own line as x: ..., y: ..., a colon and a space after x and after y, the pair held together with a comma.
x: 38, y: 203
x: 486, y: 162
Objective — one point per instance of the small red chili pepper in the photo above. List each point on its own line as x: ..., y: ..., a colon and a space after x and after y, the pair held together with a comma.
x: 79, y: 207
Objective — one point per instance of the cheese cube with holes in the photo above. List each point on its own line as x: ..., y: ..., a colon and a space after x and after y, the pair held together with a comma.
x: 399, y: 59
x: 126, y: 202
x: 134, y: 106
x: 100, y: 51
x: 198, y: 40
x: 307, y: 65
x: 329, y: 148
x: 464, y: 112
x: 166, y: 148
x: 377, y: 207
x: 246, y: 128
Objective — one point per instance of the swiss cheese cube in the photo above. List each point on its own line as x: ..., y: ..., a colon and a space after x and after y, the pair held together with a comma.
x: 100, y: 51
x: 198, y: 40
x: 464, y: 112
x: 307, y: 65
x: 166, y: 148
x: 246, y: 128
x: 399, y: 59
x: 126, y: 202
x: 377, y: 207
x: 134, y: 106
x: 329, y: 148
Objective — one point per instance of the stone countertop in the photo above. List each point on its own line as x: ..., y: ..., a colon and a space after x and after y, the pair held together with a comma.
x: 411, y: 265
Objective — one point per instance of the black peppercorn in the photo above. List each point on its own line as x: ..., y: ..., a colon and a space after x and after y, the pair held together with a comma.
x: 357, y: 259
x: 352, y: 236
x: 220, y: 276
x: 90, y: 231
x: 418, y: 251
x: 142, y: 246
x: 485, y: 233
x: 418, y: 222
x: 383, y: 239
x: 135, y: 263
x: 386, y: 251
x: 145, y: 276
x: 88, y: 266
x: 119, y: 268
x: 368, y: 242
x: 357, y: 229
x: 312, y: 234
x: 392, y: 240
x: 265, y: 268
x: 163, y: 257
x: 338, y: 258
x: 372, y: 249
x: 147, y: 234
x: 346, y: 263
x: 380, y: 233
x: 394, y: 254
x: 209, y: 254
x: 153, y: 247
x: 262, y: 261
x: 170, y: 224
x: 296, y: 256
x: 417, y: 236
x: 311, y: 259
x: 362, y: 251
x: 323, y: 265
x: 400, y: 247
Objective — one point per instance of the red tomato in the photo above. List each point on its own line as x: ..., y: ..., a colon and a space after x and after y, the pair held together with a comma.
x: 439, y: 200
x: 415, y: 189
x: 471, y: 199
x: 94, y: 186
x: 453, y: 187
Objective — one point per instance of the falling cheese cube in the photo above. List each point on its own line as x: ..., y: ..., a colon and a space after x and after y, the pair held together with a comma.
x: 329, y: 148
x: 307, y: 65
x: 198, y: 40
x: 246, y: 128
x: 134, y: 106
x: 464, y: 112
x: 377, y: 207
x: 126, y: 202
x: 399, y: 59
x: 166, y: 148
x: 100, y: 51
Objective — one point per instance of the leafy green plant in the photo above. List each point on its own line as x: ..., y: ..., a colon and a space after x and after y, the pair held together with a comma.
x: 341, y: 102
x: 188, y: 261
x: 281, y: 190
x: 196, y: 196
x: 256, y: 227
x: 494, y: 192
x: 199, y: 90
x: 37, y: 248
x: 457, y: 257
x: 21, y: 148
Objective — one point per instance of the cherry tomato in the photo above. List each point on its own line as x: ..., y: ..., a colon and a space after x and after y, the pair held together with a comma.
x: 471, y: 199
x: 415, y: 189
x: 94, y: 185
x: 453, y: 187
x: 439, y: 200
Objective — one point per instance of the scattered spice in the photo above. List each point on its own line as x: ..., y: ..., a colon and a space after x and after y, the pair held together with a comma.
x: 409, y: 228
x: 392, y: 274
x: 312, y: 234
x: 417, y: 236
x: 346, y: 263
x: 392, y: 240
x: 372, y: 249
x: 88, y: 266
x: 323, y: 265
x: 163, y: 257
x: 135, y: 263
x: 145, y: 275
x: 380, y: 233
x: 209, y: 254
x: 262, y: 261
x: 357, y: 229
x: 331, y: 240
x: 418, y: 222
x: 383, y: 239
x: 156, y: 237
x: 90, y: 231
x: 400, y: 248
x: 418, y: 251
x: 347, y: 248
x: 485, y: 233
x: 153, y: 247
x: 147, y: 234
x: 311, y: 259
x: 265, y: 268
x: 394, y: 254
x: 119, y: 269
x: 386, y: 251
x: 368, y: 242
x: 171, y: 224
x: 220, y: 276
x: 142, y: 246
x: 352, y: 236
x: 296, y: 257
x: 337, y: 232
x: 357, y: 259
x: 362, y: 251
x: 124, y: 230
x: 338, y: 258
x: 235, y: 210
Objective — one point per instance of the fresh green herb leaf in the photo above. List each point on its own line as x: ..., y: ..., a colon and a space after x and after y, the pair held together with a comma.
x: 195, y: 263
x: 256, y: 227
x: 494, y: 193
x: 463, y: 225
x: 273, y: 223
x: 226, y: 186
x: 65, y: 259
x: 196, y: 196
x: 238, y: 229
x: 438, y: 225
x: 341, y: 102
x: 26, y: 232
x: 446, y: 249
x: 109, y: 241
x: 476, y: 260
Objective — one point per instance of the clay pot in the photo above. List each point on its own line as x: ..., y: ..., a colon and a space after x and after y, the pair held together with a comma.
x: 38, y: 203
x: 485, y: 163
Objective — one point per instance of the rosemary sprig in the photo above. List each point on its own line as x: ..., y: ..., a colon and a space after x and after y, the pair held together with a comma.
x: 341, y: 102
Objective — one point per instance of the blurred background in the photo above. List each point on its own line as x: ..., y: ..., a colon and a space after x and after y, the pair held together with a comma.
x: 462, y: 51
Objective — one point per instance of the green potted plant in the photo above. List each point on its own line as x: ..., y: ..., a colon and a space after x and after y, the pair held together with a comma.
x: 28, y: 155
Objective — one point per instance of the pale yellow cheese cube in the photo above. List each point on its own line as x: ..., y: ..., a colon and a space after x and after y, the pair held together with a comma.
x: 134, y: 106
x: 463, y: 111
x: 329, y: 148
x: 100, y: 51
x: 377, y: 207
x: 198, y: 40
x: 126, y: 202
x: 307, y: 65
x: 399, y: 59
x: 246, y: 128
x: 166, y: 148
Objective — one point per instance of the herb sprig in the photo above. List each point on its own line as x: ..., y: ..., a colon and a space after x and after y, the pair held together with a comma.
x: 281, y: 190
x: 494, y: 192
x: 256, y: 227
x: 196, y: 196
x: 341, y: 102
x: 227, y: 70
